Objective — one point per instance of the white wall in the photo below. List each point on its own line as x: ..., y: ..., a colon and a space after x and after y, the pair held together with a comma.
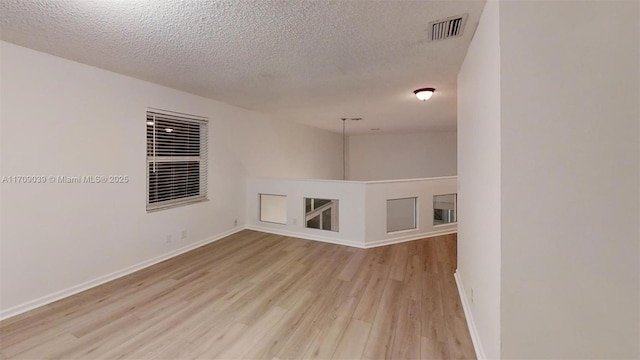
x: 351, y: 215
x: 278, y: 148
x: 479, y: 194
x: 401, y: 156
x: 378, y: 192
x: 362, y: 208
x: 558, y: 122
x: 570, y: 91
x: 63, y: 118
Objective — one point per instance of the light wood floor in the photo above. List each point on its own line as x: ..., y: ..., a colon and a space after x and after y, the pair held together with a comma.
x: 260, y: 296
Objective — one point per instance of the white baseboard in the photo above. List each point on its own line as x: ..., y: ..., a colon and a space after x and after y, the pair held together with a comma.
x: 477, y: 345
x: 306, y: 236
x: 48, y: 299
x: 367, y: 245
x: 401, y: 239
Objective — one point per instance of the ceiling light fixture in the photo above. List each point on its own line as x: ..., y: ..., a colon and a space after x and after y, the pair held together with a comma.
x: 169, y: 130
x: 424, y: 94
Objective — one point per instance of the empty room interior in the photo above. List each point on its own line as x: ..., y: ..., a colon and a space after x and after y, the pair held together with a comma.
x: 329, y: 179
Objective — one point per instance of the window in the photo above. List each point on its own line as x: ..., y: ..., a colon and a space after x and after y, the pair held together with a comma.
x: 273, y: 208
x: 401, y: 214
x: 444, y: 209
x: 321, y: 214
x: 176, y: 160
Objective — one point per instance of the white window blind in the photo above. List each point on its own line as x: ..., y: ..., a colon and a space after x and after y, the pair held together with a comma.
x: 176, y: 160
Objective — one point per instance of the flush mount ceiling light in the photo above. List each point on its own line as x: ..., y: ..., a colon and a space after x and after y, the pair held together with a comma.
x: 424, y: 94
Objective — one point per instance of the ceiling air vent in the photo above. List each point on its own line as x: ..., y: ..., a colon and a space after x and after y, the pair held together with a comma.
x: 447, y: 28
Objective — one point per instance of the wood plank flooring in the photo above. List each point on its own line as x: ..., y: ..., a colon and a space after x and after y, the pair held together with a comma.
x: 261, y: 296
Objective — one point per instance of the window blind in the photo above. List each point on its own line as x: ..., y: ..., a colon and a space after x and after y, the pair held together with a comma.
x: 176, y: 160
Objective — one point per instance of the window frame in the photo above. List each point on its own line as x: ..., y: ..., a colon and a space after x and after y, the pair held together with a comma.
x: 455, y: 209
x: 202, y: 159
x: 416, y: 217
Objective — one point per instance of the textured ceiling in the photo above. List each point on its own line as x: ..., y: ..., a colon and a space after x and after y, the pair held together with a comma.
x: 311, y: 62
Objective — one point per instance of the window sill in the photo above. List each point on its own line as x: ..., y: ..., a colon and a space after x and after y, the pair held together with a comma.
x: 175, y: 205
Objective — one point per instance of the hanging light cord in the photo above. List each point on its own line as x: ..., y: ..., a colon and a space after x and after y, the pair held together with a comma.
x: 344, y: 151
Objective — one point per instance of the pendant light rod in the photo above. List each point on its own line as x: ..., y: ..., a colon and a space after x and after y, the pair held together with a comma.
x: 344, y: 150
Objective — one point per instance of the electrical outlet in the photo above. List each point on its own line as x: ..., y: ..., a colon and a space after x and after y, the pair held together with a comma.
x: 184, y: 234
x: 471, y: 294
x: 169, y: 239
x: 235, y: 222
